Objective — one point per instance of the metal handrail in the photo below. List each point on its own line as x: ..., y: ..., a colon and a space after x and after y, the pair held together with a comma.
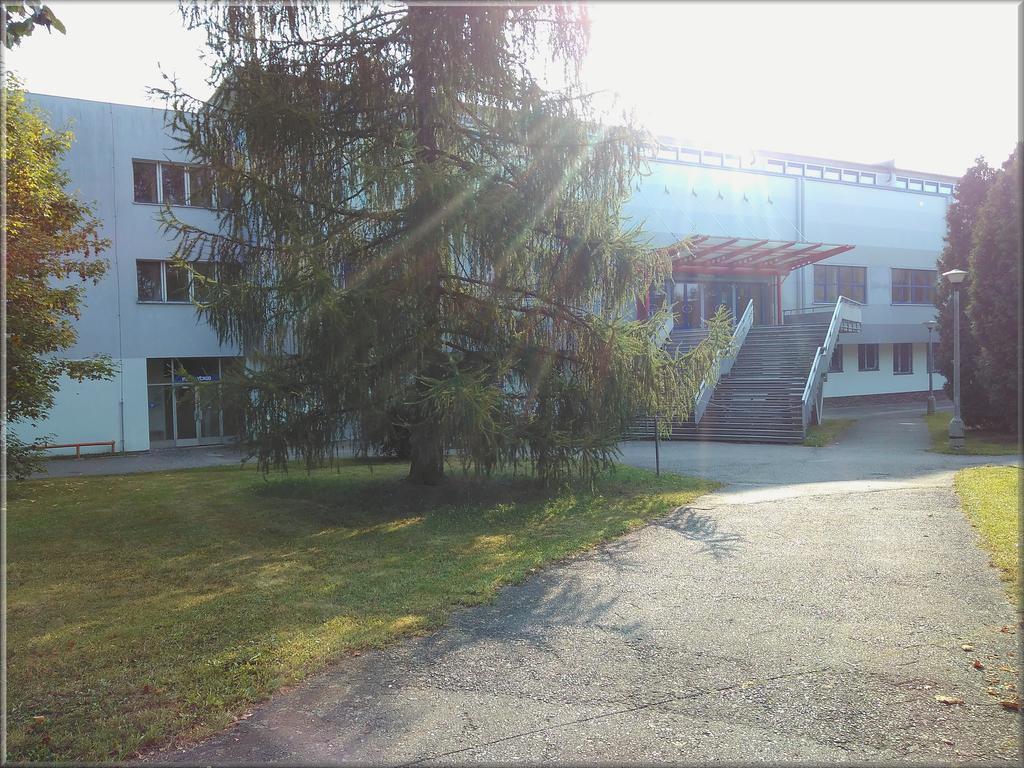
x: 666, y: 330
x: 723, y: 363
x: 813, y: 394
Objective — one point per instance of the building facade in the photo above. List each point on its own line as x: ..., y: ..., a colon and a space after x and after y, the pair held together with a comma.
x: 124, y: 162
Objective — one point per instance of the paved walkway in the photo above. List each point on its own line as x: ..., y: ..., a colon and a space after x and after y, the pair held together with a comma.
x: 811, y: 611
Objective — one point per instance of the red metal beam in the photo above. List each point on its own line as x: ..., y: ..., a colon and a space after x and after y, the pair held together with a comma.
x: 789, y: 262
x: 705, y: 251
x: 739, y: 251
x: 675, y: 248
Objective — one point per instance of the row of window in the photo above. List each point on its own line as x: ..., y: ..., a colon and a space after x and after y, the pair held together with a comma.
x: 909, y: 286
x: 172, y: 184
x: 867, y: 358
x: 165, y: 283
x: 923, y: 185
x: 790, y: 168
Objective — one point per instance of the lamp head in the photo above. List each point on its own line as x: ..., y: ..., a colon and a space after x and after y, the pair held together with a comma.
x: 930, y: 324
x: 955, y: 276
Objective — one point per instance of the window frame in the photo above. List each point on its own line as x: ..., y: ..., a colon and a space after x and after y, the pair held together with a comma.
x: 862, y: 357
x: 187, y: 167
x: 836, y: 283
x: 165, y: 264
x: 912, y: 286
x: 896, y: 358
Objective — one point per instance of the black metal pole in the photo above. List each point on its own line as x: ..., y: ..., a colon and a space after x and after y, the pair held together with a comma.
x: 657, y: 447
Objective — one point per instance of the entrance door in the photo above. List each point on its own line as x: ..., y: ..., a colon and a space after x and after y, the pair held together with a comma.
x: 759, y: 293
x: 196, y: 416
x: 208, y: 413
x: 687, y: 305
x: 718, y: 295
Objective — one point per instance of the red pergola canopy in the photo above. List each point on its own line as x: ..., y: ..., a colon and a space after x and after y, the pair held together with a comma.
x: 746, y: 255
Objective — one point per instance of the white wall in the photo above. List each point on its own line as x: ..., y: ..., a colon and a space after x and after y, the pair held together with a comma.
x: 90, y: 411
x: 853, y: 382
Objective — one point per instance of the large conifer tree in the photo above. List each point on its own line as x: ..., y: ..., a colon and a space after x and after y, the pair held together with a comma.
x: 961, y: 216
x: 994, y: 293
x: 417, y: 239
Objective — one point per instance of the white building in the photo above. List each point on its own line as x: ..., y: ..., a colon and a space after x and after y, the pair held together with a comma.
x: 124, y: 161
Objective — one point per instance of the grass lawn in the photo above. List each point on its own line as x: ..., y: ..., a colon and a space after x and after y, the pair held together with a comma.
x: 150, y: 606
x: 990, y: 496
x: 826, y: 433
x: 976, y: 442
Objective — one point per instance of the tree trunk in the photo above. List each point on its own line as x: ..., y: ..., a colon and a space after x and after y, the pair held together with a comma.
x: 427, y: 451
x: 427, y: 456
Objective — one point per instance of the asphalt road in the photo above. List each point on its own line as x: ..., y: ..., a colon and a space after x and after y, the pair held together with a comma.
x: 810, y: 611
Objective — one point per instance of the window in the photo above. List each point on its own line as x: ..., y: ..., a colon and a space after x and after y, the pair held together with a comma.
x: 689, y: 155
x: 946, y: 189
x: 832, y: 282
x: 795, y: 169
x: 901, y: 182
x: 777, y: 166
x: 200, y: 187
x: 813, y: 171
x: 850, y: 176
x: 174, y: 184
x: 867, y: 178
x: 176, y: 280
x: 166, y: 283
x: 933, y: 351
x: 902, y: 358
x: 667, y: 153
x: 915, y: 185
x: 913, y: 286
x: 172, y: 178
x: 867, y: 357
x: 732, y: 161
x: 201, y: 288
x: 835, y: 365
x: 931, y: 186
x: 149, y: 280
x: 712, y: 158
x: 833, y: 174
x: 144, y: 175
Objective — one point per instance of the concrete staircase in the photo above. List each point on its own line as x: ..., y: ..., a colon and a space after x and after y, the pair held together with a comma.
x: 759, y: 399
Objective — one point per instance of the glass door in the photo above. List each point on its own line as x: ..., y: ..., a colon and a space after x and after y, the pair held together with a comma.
x: 687, y: 305
x: 186, y: 416
x: 719, y: 295
x: 208, y: 413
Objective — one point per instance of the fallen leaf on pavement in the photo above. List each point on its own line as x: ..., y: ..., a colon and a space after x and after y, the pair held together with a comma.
x: 949, y: 700
x: 967, y: 647
x: 1013, y: 704
x: 978, y: 664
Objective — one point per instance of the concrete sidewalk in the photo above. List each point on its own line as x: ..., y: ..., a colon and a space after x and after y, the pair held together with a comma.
x: 810, y: 611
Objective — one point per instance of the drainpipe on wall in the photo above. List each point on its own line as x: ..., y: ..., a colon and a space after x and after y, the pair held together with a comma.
x: 117, y: 270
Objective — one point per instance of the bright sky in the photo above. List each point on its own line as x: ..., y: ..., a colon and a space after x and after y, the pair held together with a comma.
x: 931, y: 85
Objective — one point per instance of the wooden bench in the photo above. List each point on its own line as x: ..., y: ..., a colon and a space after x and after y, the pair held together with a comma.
x: 78, y: 446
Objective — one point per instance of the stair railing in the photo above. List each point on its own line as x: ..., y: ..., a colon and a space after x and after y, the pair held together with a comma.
x: 665, y: 330
x: 812, y: 400
x: 723, y: 363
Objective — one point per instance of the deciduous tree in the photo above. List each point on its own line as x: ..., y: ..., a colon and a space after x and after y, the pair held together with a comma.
x: 416, y: 236
x: 52, y: 243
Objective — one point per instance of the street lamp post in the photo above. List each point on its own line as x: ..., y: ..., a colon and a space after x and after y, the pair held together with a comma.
x: 956, y: 424
x: 930, y: 325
